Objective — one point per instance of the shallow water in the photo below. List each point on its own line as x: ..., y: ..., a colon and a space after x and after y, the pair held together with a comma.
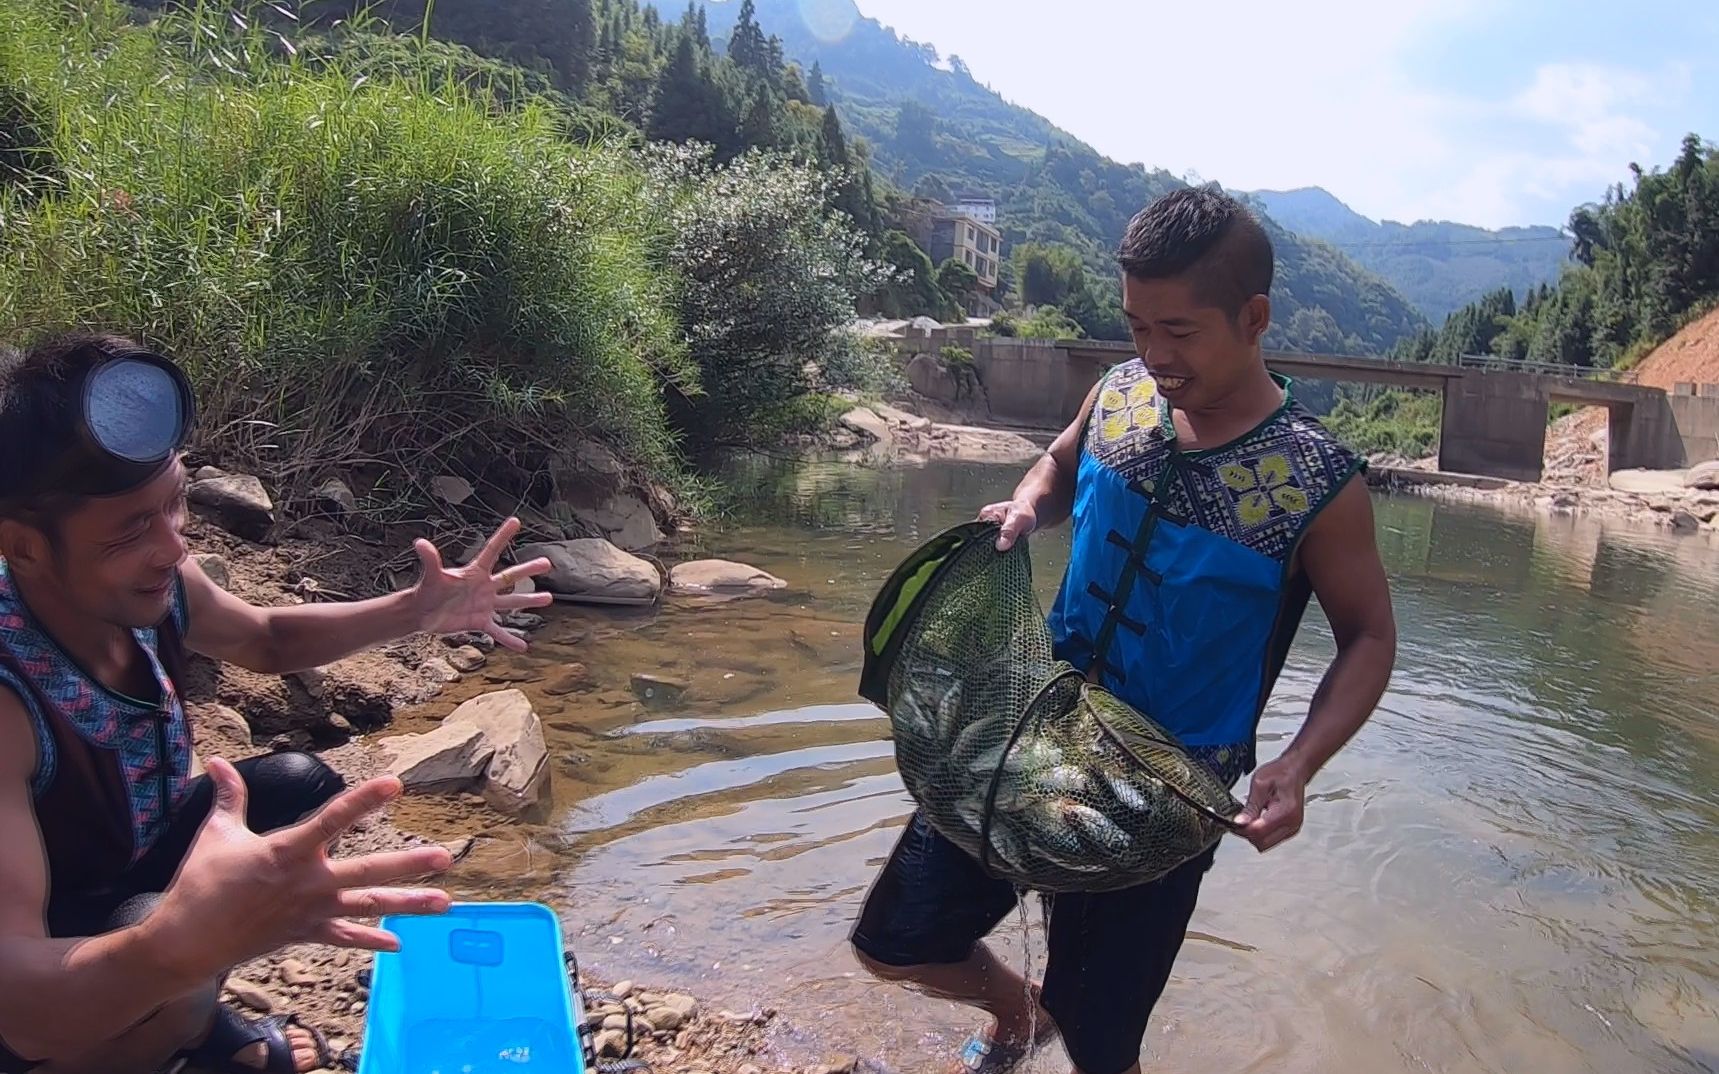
x: 1514, y: 866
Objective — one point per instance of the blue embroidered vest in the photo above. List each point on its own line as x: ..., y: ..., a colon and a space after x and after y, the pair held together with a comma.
x: 1179, y: 593
x: 110, y: 770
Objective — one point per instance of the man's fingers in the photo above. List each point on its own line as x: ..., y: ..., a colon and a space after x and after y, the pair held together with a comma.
x: 379, y: 902
x: 506, y: 638
x: 341, y: 813
x: 511, y: 602
x: 429, y: 557
x: 497, y: 542
x: 342, y: 933
x: 390, y: 867
x: 230, y: 793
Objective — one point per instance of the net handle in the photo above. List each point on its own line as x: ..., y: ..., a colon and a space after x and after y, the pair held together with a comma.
x: 1003, y: 759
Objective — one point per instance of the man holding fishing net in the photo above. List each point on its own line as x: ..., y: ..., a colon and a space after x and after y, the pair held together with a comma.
x: 129, y: 886
x: 1207, y: 507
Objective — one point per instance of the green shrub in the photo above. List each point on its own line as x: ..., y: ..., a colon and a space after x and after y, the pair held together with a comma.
x: 766, y: 279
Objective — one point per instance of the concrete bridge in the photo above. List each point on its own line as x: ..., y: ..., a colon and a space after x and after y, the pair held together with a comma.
x: 1494, y: 420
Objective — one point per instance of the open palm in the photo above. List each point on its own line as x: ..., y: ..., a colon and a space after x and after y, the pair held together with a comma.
x: 472, y: 597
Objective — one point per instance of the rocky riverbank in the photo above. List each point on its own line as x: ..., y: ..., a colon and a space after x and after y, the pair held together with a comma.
x: 1684, y: 501
x: 474, y: 778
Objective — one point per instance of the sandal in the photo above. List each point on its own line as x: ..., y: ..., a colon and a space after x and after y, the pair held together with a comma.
x: 233, y: 1032
x: 981, y: 1055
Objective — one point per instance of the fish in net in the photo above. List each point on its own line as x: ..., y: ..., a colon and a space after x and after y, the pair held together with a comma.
x: 1050, y: 781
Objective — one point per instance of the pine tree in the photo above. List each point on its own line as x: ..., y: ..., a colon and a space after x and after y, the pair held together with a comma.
x: 818, y: 91
x: 747, y: 47
x: 762, y: 129
x: 582, y: 27
x: 833, y: 145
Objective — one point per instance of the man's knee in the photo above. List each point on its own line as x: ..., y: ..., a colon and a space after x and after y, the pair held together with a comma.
x: 884, y: 971
x: 288, y: 786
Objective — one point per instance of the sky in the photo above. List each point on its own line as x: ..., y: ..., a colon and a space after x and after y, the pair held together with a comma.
x: 1489, y: 112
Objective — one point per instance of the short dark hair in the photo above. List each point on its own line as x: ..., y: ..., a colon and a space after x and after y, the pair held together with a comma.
x: 1209, y: 237
x: 38, y: 413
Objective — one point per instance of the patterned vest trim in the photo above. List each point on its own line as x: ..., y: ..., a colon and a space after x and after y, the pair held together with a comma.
x: 110, y: 769
x: 1179, y: 594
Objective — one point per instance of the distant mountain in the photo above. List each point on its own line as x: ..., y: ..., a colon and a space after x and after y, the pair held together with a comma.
x: 932, y: 129
x: 1437, y: 265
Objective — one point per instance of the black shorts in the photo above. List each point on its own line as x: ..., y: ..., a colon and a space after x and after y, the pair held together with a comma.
x: 1110, y: 953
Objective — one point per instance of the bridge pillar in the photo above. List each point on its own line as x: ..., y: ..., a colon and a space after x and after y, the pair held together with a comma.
x: 1494, y: 425
x: 1645, y: 435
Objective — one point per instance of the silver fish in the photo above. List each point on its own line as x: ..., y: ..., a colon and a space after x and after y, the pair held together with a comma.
x: 1065, y: 779
x: 1097, y: 829
x: 1049, y: 834
x: 1034, y: 755
x: 1125, y: 792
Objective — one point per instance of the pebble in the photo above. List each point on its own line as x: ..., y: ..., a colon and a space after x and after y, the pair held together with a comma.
x: 751, y: 1069
x: 625, y: 988
x: 611, y: 1044
x: 251, y: 994
x: 294, y: 972
x: 467, y: 658
x: 615, y: 1021
x: 665, y: 1017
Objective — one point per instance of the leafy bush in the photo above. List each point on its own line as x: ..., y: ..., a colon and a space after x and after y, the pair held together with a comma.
x: 766, y: 279
x: 1393, y: 422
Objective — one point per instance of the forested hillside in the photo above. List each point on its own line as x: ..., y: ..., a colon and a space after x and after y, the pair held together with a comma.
x: 1645, y: 261
x: 934, y: 130
x: 1437, y: 265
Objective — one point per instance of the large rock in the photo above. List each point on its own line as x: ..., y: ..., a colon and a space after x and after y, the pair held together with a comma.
x: 237, y: 503
x: 1647, y: 482
x: 592, y: 570
x: 216, y: 568
x: 1702, y: 476
x: 867, y: 423
x: 335, y: 496
x: 624, y: 519
x: 451, y: 489
x: 512, y: 734
x: 721, y: 577
x: 445, y: 760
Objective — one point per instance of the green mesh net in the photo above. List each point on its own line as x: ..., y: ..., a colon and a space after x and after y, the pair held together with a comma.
x: 1051, y: 782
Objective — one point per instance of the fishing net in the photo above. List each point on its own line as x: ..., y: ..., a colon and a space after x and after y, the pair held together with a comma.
x: 1051, y: 782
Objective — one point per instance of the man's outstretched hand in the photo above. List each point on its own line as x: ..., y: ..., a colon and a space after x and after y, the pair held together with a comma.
x: 455, y: 599
x: 240, y: 895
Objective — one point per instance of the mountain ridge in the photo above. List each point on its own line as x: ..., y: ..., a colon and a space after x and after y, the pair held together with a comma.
x: 1439, y: 265
x: 933, y: 130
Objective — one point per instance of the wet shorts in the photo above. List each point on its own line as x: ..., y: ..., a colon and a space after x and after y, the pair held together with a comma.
x: 1110, y: 952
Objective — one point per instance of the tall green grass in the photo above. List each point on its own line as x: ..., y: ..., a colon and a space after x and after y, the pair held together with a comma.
x: 380, y: 269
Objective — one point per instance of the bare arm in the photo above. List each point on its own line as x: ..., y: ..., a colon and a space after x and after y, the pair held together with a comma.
x: 280, y: 640
x: 57, y: 997
x: 237, y: 895
x: 1341, y: 559
x: 1045, y: 496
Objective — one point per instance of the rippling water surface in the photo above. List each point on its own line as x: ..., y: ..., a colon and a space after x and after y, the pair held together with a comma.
x: 1514, y: 867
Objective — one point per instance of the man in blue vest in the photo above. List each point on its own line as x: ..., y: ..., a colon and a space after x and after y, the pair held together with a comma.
x: 1207, y: 506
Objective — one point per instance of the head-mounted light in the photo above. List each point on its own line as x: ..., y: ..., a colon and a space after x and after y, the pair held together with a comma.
x: 132, y: 414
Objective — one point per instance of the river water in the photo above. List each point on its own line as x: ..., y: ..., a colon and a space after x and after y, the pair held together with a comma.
x: 1514, y: 866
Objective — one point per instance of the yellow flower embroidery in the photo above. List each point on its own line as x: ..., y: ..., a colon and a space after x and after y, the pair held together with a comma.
x: 1128, y: 410
x: 1265, y: 484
